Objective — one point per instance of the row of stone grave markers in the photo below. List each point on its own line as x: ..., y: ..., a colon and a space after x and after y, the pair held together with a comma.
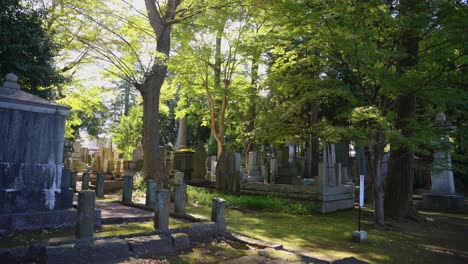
x: 84, y: 230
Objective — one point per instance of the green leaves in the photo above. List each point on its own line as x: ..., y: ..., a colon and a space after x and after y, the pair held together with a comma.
x: 128, y: 132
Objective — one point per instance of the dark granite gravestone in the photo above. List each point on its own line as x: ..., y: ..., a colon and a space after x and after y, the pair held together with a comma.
x: 34, y: 192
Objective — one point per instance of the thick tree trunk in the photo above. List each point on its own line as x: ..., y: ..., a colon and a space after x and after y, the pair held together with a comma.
x: 151, y: 88
x: 152, y: 164
x: 399, y: 182
x: 374, y: 156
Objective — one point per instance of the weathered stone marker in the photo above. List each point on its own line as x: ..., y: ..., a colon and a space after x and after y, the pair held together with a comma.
x: 127, y: 189
x: 161, y: 210
x: 73, y: 181
x: 178, y: 177
x: 218, y: 214
x: 151, y: 188
x: 252, y: 165
x: 180, y: 198
x: 100, y: 185
x: 85, y: 219
x: 273, y: 170
x: 85, y: 181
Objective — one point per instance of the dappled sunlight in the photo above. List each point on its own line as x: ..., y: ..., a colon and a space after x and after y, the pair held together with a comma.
x: 330, y: 235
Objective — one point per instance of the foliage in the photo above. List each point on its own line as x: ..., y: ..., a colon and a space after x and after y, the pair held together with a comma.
x: 87, y: 110
x: 27, y: 49
x: 265, y: 203
x: 128, y: 132
x: 139, y: 186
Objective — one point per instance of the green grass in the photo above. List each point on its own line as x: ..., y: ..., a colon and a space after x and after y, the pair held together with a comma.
x: 328, y: 236
x: 210, y: 252
x: 200, y: 196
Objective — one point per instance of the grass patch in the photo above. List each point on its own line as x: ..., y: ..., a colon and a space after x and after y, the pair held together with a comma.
x: 210, y: 252
x: 200, y: 196
x: 328, y: 236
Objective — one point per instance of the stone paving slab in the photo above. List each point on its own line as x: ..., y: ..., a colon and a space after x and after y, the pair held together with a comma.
x: 114, y: 212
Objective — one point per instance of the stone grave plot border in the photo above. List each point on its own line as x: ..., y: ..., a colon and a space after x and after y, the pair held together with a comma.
x: 121, y: 247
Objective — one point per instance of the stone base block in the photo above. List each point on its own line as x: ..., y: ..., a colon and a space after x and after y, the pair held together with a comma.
x: 442, y: 201
x: 181, y: 242
x: 42, y: 220
x: 19, y: 201
x: 359, y: 236
x: 149, y: 246
x: 101, y: 251
x: 336, y: 205
x: 253, y: 179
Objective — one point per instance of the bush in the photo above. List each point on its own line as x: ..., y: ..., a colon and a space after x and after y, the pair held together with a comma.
x: 200, y: 196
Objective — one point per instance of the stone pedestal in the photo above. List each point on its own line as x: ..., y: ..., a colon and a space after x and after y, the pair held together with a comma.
x: 451, y: 202
x: 360, y: 236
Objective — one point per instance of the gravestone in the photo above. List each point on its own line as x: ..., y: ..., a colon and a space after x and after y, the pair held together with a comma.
x: 73, y: 180
x: 180, y: 198
x: 178, y: 177
x: 151, y: 188
x: 273, y: 170
x: 288, y: 172
x: 32, y: 184
x: 253, y: 168
x: 127, y: 191
x: 183, y: 162
x: 213, y: 165
x: 442, y: 195
x: 100, y: 185
x: 228, y: 173
x: 199, y: 166
x: 85, y: 181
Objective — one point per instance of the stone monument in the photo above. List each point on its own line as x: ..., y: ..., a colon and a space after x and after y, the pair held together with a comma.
x: 442, y: 195
x: 34, y: 193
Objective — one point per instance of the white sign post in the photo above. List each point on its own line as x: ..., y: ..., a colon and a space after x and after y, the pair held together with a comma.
x: 360, y: 235
x: 361, y: 191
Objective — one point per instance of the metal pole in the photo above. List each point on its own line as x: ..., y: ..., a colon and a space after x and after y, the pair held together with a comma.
x: 359, y: 218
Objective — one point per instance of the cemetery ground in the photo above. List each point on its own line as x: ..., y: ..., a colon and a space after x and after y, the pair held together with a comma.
x: 299, y: 229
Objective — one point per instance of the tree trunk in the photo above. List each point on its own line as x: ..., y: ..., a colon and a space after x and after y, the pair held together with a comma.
x: 126, y: 99
x: 399, y: 182
x: 151, y: 88
x: 313, y: 155
x: 251, y: 112
x: 374, y: 156
x: 152, y: 164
